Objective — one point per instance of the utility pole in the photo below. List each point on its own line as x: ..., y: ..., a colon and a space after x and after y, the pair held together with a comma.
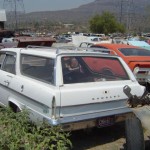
x: 126, y: 13
x: 16, y: 21
x: 130, y: 14
x: 121, y: 11
x: 14, y: 9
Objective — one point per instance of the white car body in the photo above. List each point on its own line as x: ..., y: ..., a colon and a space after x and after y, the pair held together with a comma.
x: 73, y: 105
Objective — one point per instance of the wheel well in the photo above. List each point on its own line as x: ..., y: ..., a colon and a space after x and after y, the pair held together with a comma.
x: 14, y: 107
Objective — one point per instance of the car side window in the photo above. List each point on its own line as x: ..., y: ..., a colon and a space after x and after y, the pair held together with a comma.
x: 9, y: 64
x: 37, y: 67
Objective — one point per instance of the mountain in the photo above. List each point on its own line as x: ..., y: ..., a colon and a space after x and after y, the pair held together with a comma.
x: 84, y: 12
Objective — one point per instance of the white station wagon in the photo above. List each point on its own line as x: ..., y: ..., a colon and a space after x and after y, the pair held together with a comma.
x: 75, y: 89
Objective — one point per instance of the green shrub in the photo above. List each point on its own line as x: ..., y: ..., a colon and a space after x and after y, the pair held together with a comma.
x: 17, y: 133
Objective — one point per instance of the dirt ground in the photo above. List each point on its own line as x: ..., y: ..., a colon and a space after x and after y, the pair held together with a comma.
x: 109, y: 138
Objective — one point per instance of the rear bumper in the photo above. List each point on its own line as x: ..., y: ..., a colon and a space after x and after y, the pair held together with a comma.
x: 90, y: 120
x: 144, y: 77
x: 94, y: 122
x: 90, y: 116
x: 143, y: 80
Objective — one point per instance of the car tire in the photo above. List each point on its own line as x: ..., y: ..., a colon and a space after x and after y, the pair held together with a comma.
x: 134, y: 134
x: 148, y: 87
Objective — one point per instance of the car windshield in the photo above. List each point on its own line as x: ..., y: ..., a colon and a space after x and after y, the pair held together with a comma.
x: 134, y: 52
x: 81, y: 69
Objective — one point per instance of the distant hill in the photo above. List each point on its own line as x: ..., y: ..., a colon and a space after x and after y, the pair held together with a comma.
x: 84, y: 12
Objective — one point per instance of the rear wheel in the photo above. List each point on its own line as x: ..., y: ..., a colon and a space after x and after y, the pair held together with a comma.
x: 134, y: 134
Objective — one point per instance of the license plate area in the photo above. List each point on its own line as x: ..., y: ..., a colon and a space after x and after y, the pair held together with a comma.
x: 105, y: 121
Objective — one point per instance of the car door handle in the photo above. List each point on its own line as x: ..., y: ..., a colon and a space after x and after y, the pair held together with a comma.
x: 22, y: 88
x: 6, y: 83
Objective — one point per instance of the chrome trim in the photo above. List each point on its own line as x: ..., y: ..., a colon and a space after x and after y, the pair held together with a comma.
x: 85, y: 117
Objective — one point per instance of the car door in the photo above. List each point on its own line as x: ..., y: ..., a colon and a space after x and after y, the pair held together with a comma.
x: 7, y: 73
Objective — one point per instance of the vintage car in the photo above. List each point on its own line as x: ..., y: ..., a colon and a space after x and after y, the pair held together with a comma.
x: 138, y: 59
x: 141, y: 44
x: 75, y: 89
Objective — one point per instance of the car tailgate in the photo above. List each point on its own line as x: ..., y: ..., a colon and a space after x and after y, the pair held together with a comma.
x: 94, y: 98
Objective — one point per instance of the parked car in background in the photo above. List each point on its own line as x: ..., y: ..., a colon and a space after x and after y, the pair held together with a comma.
x: 141, y: 44
x: 74, y: 89
x: 138, y: 59
x: 24, y: 41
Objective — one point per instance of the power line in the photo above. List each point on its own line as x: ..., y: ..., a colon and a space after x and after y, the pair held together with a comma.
x: 126, y: 13
x: 14, y: 9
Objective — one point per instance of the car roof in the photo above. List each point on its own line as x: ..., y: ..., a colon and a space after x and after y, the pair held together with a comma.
x: 53, y: 52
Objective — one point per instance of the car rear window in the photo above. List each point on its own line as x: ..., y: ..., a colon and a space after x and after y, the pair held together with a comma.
x: 134, y: 52
x: 92, y: 69
x: 37, y: 67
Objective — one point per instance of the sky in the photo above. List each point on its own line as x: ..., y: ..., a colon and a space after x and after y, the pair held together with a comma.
x: 48, y: 5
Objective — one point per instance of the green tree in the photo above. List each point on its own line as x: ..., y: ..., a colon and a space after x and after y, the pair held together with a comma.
x: 105, y: 23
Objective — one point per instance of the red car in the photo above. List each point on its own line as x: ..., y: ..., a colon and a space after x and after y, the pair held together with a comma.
x: 138, y: 59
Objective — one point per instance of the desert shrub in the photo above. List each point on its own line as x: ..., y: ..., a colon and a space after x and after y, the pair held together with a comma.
x: 17, y: 133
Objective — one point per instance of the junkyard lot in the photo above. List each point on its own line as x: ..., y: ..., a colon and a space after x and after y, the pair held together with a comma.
x: 108, y: 138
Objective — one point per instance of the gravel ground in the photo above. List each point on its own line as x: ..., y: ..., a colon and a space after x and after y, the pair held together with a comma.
x: 109, y: 138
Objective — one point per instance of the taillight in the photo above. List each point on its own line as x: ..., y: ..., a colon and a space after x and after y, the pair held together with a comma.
x: 136, y: 70
x: 53, y: 114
